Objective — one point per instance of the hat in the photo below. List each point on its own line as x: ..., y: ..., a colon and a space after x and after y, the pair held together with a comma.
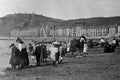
x: 12, y: 45
x: 19, y: 40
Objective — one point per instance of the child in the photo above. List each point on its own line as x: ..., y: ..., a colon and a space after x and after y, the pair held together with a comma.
x: 85, y: 48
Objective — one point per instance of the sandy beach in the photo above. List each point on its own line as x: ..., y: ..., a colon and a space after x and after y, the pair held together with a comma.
x: 95, y: 66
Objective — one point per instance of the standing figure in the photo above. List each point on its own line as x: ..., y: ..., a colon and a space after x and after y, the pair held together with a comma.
x: 42, y: 46
x: 14, y: 60
x: 91, y: 44
x: 24, y: 60
x: 31, y: 54
x: 44, y: 53
x: 113, y: 45
x: 107, y: 47
x: 82, y: 41
x: 68, y: 46
x: 102, y: 42
x: 54, y: 54
x: 38, y: 54
x: 85, y: 48
x: 74, y: 45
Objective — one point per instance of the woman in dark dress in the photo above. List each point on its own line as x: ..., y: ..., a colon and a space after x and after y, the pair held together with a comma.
x: 24, y: 60
x: 44, y: 53
x: 14, y: 60
x: 107, y: 47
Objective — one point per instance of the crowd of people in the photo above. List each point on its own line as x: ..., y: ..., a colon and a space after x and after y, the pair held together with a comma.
x: 22, y: 56
x: 109, y: 46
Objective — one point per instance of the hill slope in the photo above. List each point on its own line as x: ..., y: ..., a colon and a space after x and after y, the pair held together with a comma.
x: 21, y: 21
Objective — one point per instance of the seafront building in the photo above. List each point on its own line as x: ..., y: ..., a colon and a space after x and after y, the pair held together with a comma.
x: 90, y: 31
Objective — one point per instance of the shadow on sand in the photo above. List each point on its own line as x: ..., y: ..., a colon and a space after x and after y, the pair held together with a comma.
x: 43, y: 64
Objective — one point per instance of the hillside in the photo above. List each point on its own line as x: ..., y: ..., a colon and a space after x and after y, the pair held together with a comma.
x: 20, y: 20
x: 93, y: 21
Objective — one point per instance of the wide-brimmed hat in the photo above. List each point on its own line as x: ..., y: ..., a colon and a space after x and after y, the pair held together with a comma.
x: 12, y: 45
x: 19, y: 40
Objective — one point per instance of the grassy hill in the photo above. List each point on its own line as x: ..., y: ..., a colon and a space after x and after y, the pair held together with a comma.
x: 20, y: 20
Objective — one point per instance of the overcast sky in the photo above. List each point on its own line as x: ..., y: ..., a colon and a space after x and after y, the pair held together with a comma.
x: 62, y: 9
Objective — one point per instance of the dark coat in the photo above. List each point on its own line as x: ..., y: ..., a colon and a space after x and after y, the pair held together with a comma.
x: 37, y: 53
x: 15, y: 56
x: 24, y: 57
x: 44, y: 51
x: 107, y: 48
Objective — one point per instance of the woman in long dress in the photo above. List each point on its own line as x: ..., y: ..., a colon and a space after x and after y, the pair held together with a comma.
x: 14, y: 60
x: 54, y: 54
x: 24, y: 60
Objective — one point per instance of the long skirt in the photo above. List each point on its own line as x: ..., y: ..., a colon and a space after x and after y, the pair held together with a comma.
x: 24, y: 58
x: 14, y: 60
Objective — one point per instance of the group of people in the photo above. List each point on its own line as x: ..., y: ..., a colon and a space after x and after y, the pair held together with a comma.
x: 19, y: 55
x: 22, y: 57
x: 40, y: 53
x: 109, y: 46
x: 80, y: 44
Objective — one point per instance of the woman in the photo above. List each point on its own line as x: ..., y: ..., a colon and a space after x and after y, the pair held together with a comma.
x: 31, y: 54
x: 14, y: 60
x: 24, y: 61
x: 54, y: 54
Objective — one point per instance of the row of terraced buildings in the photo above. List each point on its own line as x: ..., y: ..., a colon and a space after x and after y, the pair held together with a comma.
x: 104, y: 31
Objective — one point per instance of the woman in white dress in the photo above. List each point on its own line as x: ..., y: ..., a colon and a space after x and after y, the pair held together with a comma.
x: 53, y: 50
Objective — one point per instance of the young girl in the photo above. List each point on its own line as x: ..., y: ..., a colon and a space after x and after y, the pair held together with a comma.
x: 85, y: 48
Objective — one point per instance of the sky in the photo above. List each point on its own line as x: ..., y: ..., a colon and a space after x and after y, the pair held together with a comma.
x: 62, y: 9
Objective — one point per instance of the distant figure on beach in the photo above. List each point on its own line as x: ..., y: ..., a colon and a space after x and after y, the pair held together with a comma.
x: 102, y: 42
x: 82, y: 44
x: 31, y: 54
x: 113, y: 45
x: 44, y: 52
x: 24, y: 61
x: 83, y: 38
x: 54, y: 54
x: 107, y: 47
x: 85, y: 49
x: 37, y: 54
x: 14, y: 60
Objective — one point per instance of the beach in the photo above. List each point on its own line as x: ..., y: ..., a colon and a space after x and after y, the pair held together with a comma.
x: 97, y: 65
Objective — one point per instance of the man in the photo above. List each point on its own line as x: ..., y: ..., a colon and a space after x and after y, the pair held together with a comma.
x: 37, y: 54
